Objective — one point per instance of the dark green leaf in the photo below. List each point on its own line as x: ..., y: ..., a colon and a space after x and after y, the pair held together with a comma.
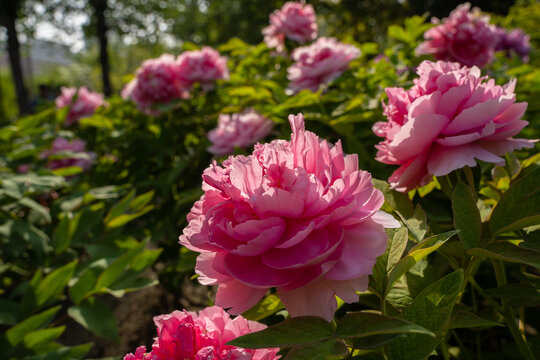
x: 506, y: 251
x: 462, y: 318
x: 316, y: 351
x: 113, y: 271
x: 520, y: 205
x: 292, y: 332
x: 37, y: 338
x: 397, y: 201
x: 264, y: 308
x: 362, y: 324
x: 16, y: 334
x: 62, y: 237
x: 466, y: 215
x: 516, y: 294
x: 95, y: 316
x: 54, y: 283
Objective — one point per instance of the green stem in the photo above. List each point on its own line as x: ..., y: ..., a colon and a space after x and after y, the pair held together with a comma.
x: 444, y: 351
x: 510, y: 316
x: 446, y: 185
x: 470, y: 180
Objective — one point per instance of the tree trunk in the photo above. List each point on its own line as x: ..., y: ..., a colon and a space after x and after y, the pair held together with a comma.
x: 8, y: 20
x: 99, y: 11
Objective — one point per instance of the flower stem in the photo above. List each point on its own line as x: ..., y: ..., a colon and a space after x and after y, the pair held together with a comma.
x: 510, y: 316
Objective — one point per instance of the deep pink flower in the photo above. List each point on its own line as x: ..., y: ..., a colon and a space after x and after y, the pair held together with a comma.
x: 187, y: 336
x: 238, y: 130
x: 298, y: 216
x: 23, y: 168
x: 319, y: 63
x: 84, y: 105
x: 451, y: 117
x: 294, y: 21
x: 465, y: 36
x: 514, y: 41
x: 157, y: 82
x: 203, y: 66
x: 64, y: 153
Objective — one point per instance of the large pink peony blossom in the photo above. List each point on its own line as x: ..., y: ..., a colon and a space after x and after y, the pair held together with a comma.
x: 203, y: 66
x: 157, y: 82
x: 238, y: 130
x: 294, y: 21
x: 319, y: 63
x: 465, y: 36
x: 84, y: 105
x: 64, y: 153
x: 187, y: 336
x: 451, y: 117
x: 298, y: 216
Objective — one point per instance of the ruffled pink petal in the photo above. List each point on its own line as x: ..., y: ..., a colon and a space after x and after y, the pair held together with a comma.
x: 237, y: 297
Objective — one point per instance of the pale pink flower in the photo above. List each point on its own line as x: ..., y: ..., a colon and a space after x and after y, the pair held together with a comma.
x: 203, y: 66
x: 85, y: 103
x: 64, y: 153
x: 238, y: 130
x: 157, y: 82
x: 188, y: 336
x: 294, y: 21
x: 465, y: 36
x: 319, y: 63
x: 450, y: 118
x: 298, y: 216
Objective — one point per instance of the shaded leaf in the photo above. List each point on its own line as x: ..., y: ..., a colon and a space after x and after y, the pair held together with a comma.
x: 466, y: 215
x: 506, y: 251
x: 95, y: 316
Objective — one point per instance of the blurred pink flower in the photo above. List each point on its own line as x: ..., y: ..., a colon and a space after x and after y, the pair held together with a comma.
x: 238, y: 130
x: 23, y: 168
x: 188, y: 336
x: 64, y: 153
x: 319, y: 63
x: 514, y: 41
x: 157, y: 82
x: 84, y: 105
x: 203, y: 66
x: 465, y: 36
x: 298, y: 216
x: 448, y: 119
x: 294, y: 21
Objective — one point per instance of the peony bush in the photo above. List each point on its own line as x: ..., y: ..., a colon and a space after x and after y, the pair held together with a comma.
x: 291, y: 240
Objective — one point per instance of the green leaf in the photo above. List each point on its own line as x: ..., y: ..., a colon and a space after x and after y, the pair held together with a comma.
x: 113, y: 271
x: 362, y: 324
x: 54, y: 283
x: 506, y: 251
x: 125, y: 218
x: 86, y: 281
x: 40, y: 337
x: 375, y: 341
x: 62, y: 237
x: 95, y: 316
x: 317, y: 351
x: 16, y: 334
x: 466, y: 215
x: 462, y: 318
x: 431, y: 309
x: 517, y: 294
x: 68, y: 171
x: 264, y: 308
x: 417, y: 223
x: 520, y: 205
x: 417, y: 253
x: 386, y: 262
x: 40, y: 210
x: 120, y: 207
x: 64, y: 353
x: 292, y: 332
x: 395, y: 200
x: 145, y: 259
x: 8, y: 312
x: 140, y: 201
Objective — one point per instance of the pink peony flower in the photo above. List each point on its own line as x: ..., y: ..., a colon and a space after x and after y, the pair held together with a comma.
x: 294, y: 21
x: 202, y: 66
x: 448, y: 119
x: 188, y: 336
x: 319, y: 63
x: 23, y: 168
x: 298, y: 216
x: 84, y: 105
x: 465, y: 36
x: 64, y: 153
x: 157, y: 82
x: 238, y: 130
x: 514, y: 41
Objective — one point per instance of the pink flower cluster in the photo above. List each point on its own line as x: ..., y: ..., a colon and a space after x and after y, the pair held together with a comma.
x: 294, y: 21
x: 319, y: 63
x: 64, y: 153
x: 299, y: 216
x: 467, y: 37
x: 167, y: 79
x: 85, y: 103
x: 188, y: 336
x: 448, y: 119
x: 238, y: 130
